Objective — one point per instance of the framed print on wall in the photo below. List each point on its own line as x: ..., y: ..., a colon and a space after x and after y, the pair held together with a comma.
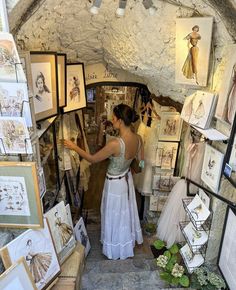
x: 76, y: 93
x: 44, y: 74
x: 17, y: 277
x: 212, y: 167
x: 227, y: 258
x: 4, y: 26
x: 193, y: 44
x: 166, y: 154
x: 61, y: 74
x: 37, y: 247
x: 20, y: 205
x: 171, y: 126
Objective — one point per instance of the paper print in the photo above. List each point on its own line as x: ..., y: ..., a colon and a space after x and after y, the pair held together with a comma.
x: 81, y: 235
x: 170, y: 128
x: 166, y: 154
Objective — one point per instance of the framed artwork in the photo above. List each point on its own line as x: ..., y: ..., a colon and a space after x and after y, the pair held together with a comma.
x: 227, y: 258
x: 20, y: 205
x: 161, y: 202
x: 4, y: 26
x: 226, y: 106
x: 44, y: 75
x: 26, y: 65
x: 10, y: 67
x: 230, y: 157
x: 197, y: 238
x: 192, y: 260
x: 36, y: 246
x: 204, y: 197
x: 81, y: 235
x: 76, y: 93
x: 62, y: 232
x: 166, y: 154
x: 153, y: 203
x: 42, y: 183
x: 198, y: 109
x: 68, y: 213
x: 17, y: 277
x: 193, y: 44
x: 61, y: 75
x: 212, y: 167
x: 14, y: 136
x: 14, y: 101
x: 171, y: 126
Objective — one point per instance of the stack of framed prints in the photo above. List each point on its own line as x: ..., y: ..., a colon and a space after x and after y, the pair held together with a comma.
x: 62, y: 232
x: 76, y: 93
x: 199, y: 108
x: 4, y: 26
x: 212, y: 167
x: 17, y: 277
x: 44, y: 76
x: 20, y: 205
x: 37, y: 248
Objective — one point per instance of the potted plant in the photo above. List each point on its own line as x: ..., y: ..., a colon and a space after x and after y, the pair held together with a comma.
x: 171, y: 269
x: 204, y: 279
x: 158, y: 248
x: 150, y: 228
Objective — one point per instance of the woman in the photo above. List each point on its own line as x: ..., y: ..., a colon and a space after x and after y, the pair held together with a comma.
x: 65, y: 230
x: 190, y: 65
x: 119, y: 215
x: 43, y: 97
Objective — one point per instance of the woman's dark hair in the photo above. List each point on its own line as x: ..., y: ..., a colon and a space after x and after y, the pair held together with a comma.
x: 41, y: 76
x: 195, y: 26
x: 125, y: 113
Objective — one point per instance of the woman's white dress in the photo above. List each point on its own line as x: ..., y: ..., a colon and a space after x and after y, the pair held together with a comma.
x: 120, y: 225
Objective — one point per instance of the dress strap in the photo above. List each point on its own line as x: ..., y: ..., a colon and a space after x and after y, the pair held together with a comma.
x: 122, y: 146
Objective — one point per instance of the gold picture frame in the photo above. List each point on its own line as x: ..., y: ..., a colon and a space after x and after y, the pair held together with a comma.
x: 61, y: 75
x: 20, y: 204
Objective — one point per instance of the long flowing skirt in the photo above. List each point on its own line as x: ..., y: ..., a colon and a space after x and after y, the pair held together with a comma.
x: 120, y: 225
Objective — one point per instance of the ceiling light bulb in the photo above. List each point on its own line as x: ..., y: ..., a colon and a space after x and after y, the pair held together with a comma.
x: 120, y: 12
x: 152, y: 10
x: 94, y: 10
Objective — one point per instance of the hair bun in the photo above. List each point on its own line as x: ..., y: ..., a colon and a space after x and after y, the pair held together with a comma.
x: 135, y: 116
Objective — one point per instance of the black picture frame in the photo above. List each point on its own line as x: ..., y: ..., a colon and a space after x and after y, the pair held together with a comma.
x: 62, y: 79
x: 45, y: 63
x: 227, y: 244
x: 231, y: 149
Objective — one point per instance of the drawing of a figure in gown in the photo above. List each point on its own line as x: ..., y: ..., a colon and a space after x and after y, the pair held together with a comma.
x: 231, y: 106
x: 39, y: 263
x: 189, y: 68
x: 65, y: 230
x: 75, y: 91
x: 200, y: 111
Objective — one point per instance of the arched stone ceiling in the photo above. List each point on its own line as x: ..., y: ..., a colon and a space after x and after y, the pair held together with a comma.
x: 139, y: 43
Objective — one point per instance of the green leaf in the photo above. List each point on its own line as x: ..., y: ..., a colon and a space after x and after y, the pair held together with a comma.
x: 175, y: 281
x: 174, y: 249
x: 169, y: 266
x: 184, y: 281
x: 159, y: 244
x: 167, y: 254
x: 166, y: 277
x: 173, y: 259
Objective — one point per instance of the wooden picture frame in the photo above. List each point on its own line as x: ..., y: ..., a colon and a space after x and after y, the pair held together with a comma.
x: 226, y: 257
x: 4, y: 26
x: 61, y: 76
x: 20, y: 205
x: 26, y: 65
x: 45, y: 88
x: 193, y: 46
x: 76, y: 92
x: 171, y: 126
x: 17, y: 276
x: 37, y: 248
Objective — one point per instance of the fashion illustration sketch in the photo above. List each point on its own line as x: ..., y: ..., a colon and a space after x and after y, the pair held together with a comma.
x: 64, y: 229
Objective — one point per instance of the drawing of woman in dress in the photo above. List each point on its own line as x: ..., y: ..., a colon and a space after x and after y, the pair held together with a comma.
x: 65, y: 230
x: 39, y: 263
x: 75, y: 91
x: 189, y: 68
x: 200, y: 111
x: 231, y: 106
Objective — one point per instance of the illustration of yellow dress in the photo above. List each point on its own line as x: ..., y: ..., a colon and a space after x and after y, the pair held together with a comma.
x: 65, y: 231
x: 39, y: 264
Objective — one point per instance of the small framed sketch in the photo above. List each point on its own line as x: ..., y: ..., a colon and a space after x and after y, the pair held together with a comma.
x: 17, y: 277
x: 36, y: 246
x: 192, y: 260
x: 81, y: 235
x: 227, y: 259
x: 14, y: 101
x: 61, y: 73
x: 197, y: 238
x: 26, y: 65
x: 204, y: 197
x: 171, y: 126
x: 10, y: 68
x: 14, y: 136
x: 166, y: 154
x: 20, y: 205
x: 44, y: 74
x: 76, y: 93
x: 4, y: 26
x: 62, y: 232
x: 211, y: 168
x: 193, y: 44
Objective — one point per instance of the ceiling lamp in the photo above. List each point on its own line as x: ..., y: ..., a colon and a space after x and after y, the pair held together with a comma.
x: 96, y: 5
x: 148, y: 4
x: 121, y: 10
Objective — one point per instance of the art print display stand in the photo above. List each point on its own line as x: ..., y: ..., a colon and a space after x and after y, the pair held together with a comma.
x: 195, y: 231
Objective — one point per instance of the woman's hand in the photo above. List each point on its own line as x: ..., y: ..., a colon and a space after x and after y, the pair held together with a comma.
x: 69, y: 144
